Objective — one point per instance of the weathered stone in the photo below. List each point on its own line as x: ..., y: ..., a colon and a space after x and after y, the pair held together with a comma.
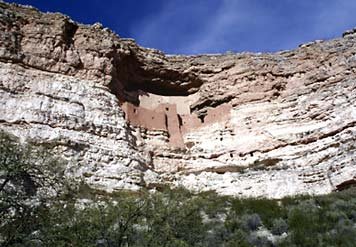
x: 128, y: 117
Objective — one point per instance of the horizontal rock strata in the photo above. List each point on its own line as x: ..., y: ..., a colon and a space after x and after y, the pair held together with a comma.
x: 128, y: 117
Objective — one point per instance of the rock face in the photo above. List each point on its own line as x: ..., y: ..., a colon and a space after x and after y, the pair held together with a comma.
x: 128, y: 117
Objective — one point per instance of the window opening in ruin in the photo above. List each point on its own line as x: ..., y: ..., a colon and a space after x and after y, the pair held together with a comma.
x: 201, y: 117
x: 166, y: 120
x: 180, y: 120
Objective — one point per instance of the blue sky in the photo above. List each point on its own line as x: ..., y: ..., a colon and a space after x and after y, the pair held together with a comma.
x: 213, y: 26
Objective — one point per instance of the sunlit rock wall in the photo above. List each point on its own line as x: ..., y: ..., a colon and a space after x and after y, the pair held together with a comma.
x: 127, y: 117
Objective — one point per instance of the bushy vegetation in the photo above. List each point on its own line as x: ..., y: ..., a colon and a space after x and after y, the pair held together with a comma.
x: 30, y: 179
x: 31, y: 216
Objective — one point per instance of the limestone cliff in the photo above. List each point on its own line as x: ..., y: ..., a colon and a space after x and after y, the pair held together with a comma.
x: 128, y: 117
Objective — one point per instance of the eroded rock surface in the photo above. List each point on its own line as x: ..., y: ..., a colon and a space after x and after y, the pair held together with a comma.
x: 129, y: 117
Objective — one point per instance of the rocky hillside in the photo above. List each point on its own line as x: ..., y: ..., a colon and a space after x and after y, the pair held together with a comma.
x: 128, y: 117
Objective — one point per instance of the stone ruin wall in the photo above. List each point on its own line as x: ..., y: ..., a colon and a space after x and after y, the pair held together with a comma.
x: 171, y: 115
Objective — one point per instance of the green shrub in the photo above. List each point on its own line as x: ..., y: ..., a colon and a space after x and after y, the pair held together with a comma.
x: 238, y: 238
x: 266, y: 209
x: 343, y: 234
x: 279, y: 226
x: 251, y: 222
x: 259, y: 241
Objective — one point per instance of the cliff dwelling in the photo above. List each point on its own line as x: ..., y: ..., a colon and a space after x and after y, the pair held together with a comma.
x: 171, y: 114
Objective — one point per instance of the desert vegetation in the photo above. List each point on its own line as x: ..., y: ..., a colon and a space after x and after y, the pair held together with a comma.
x: 40, y: 207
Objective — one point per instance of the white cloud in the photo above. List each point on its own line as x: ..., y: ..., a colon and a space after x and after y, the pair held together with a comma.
x: 203, y: 26
x: 212, y: 25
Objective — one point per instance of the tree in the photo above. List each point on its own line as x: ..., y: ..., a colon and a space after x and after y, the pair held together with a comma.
x: 29, y: 178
